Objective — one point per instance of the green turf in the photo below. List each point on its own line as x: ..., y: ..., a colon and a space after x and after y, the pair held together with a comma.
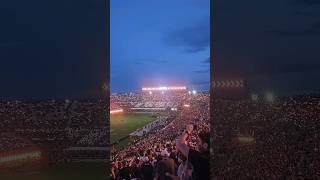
x: 78, y: 171
x: 123, y: 124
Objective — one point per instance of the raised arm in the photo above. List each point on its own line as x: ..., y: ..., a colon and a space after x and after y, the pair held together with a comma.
x: 181, y: 141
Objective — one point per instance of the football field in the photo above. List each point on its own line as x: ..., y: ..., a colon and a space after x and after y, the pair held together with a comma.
x: 122, y: 125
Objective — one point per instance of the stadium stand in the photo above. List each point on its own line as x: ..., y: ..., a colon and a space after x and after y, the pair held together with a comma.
x: 282, y: 138
x: 53, y: 126
x: 156, y: 154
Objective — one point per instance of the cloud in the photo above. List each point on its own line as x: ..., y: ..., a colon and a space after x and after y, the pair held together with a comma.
x: 155, y: 61
x: 206, y: 61
x: 158, y: 61
x: 193, y: 38
x: 201, y: 71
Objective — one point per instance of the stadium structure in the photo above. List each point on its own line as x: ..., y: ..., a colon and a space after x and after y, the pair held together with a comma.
x: 51, y: 133
x: 79, y: 136
x: 144, y: 100
x: 163, y: 103
x: 230, y: 88
x: 152, y: 118
x: 172, y: 98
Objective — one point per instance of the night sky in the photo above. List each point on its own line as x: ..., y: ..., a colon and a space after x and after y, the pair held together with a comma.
x: 159, y: 43
x: 52, y: 49
x: 273, y: 44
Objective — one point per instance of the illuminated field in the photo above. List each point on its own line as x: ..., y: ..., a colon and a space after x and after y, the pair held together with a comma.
x: 122, y: 125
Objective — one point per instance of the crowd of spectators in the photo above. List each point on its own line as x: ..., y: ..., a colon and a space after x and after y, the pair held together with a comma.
x: 148, y: 100
x: 8, y: 141
x: 286, y: 133
x: 155, y: 125
x: 172, y: 151
x: 52, y: 123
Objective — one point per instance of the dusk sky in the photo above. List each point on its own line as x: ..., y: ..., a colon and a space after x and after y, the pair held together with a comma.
x: 273, y: 44
x: 52, y: 49
x: 57, y: 49
x: 159, y: 43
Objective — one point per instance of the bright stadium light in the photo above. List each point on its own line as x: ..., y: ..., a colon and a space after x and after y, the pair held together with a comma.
x: 116, y: 111
x: 269, y: 97
x: 150, y: 92
x: 186, y: 105
x: 254, y: 97
x: 194, y: 92
x: 164, y: 88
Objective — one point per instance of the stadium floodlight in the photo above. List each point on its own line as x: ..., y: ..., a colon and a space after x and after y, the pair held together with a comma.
x: 164, y: 88
x: 254, y: 97
x: 194, y: 92
x: 150, y: 92
x: 269, y: 97
x: 116, y: 111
